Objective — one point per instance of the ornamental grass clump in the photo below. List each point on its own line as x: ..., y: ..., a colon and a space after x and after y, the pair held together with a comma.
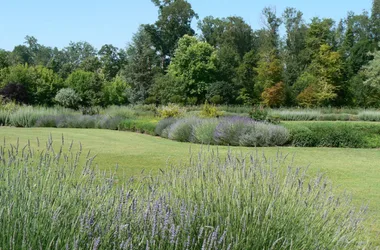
x: 369, y: 115
x: 296, y: 115
x: 52, y: 197
x: 27, y: 116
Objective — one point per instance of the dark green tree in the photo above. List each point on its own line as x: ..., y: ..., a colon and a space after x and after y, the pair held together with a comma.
x: 174, y: 21
x: 141, y: 67
x: 112, y: 60
x: 231, y: 32
x: 375, y: 21
x: 295, y: 43
x: 4, y: 59
x: 195, y: 65
x: 88, y: 85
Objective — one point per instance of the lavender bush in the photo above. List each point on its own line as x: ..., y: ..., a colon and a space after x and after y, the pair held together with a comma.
x: 258, y: 134
x: 108, y: 122
x: 203, y: 131
x: 50, y: 201
x: 182, y: 130
x: 163, y: 124
x: 230, y: 129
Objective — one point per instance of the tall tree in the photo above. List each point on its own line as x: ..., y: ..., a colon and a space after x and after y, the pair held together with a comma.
x: 21, y: 55
x: 355, y: 47
x: 41, y: 55
x: 174, y: 21
x: 79, y: 55
x: 269, y: 66
x: 141, y: 67
x: 232, y: 31
x: 4, y: 59
x: 322, y: 79
x: 194, y: 64
x: 295, y: 43
x: 246, y: 78
x: 320, y: 31
x: 375, y: 19
x: 112, y: 60
x: 272, y: 24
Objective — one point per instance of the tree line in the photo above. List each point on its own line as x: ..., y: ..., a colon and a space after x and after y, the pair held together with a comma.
x: 321, y: 62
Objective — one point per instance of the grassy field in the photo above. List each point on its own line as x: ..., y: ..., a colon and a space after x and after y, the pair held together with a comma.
x: 353, y: 170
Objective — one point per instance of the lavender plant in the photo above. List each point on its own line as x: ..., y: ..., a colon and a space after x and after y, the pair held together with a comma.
x: 182, y: 130
x: 230, y: 129
x: 49, y: 200
x: 203, y: 132
x: 163, y: 124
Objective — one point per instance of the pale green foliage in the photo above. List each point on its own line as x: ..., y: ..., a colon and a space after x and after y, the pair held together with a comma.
x: 87, y: 85
x: 68, y: 98
x: 372, y: 72
x: 171, y: 110
x: 116, y: 91
x: 203, y: 131
x: 209, y: 111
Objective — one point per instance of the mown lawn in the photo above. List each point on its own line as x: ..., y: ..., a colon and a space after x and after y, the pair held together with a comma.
x: 356, y: 171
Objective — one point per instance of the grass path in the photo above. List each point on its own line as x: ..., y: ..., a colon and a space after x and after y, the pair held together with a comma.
x: 356, y: 171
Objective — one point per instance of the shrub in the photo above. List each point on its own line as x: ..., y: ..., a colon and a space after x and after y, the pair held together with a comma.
x: 369, y: 115
x: 139, y: 125
x: 172, y: 110
x: 27, y: 116
x: 165, y: 133
x: 15, y: 92
x: 230, y: 129
x: 296, y: 115
x: 109, y: 122
x: 261, y: 134
x: 278, y: 135
x: 326, y: 134
x: 336, y: 117
x: 258, y: 113
x: 87, y: 85
x: 120, y: 111
x: 274, y: 96
x: 48, y: 121
x: 302, y: 136
x: 163, y: 124
x: 81, y: 121
x: 216, y: 99
x: 210, y: 203
x: 203, y: 132
x: 209, y: 111
x: 68, y: 98
x: 182, y: 130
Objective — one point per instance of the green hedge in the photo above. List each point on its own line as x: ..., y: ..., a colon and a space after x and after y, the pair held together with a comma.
x: 334, y: 134
x: 144, y: 126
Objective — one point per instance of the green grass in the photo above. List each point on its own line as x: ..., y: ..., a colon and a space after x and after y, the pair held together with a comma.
x: 353, y: 170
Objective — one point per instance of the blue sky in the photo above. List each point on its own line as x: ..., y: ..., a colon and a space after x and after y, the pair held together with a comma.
x: 56, y: 23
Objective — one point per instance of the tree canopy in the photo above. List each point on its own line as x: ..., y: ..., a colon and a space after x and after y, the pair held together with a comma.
x: 287, y: 62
